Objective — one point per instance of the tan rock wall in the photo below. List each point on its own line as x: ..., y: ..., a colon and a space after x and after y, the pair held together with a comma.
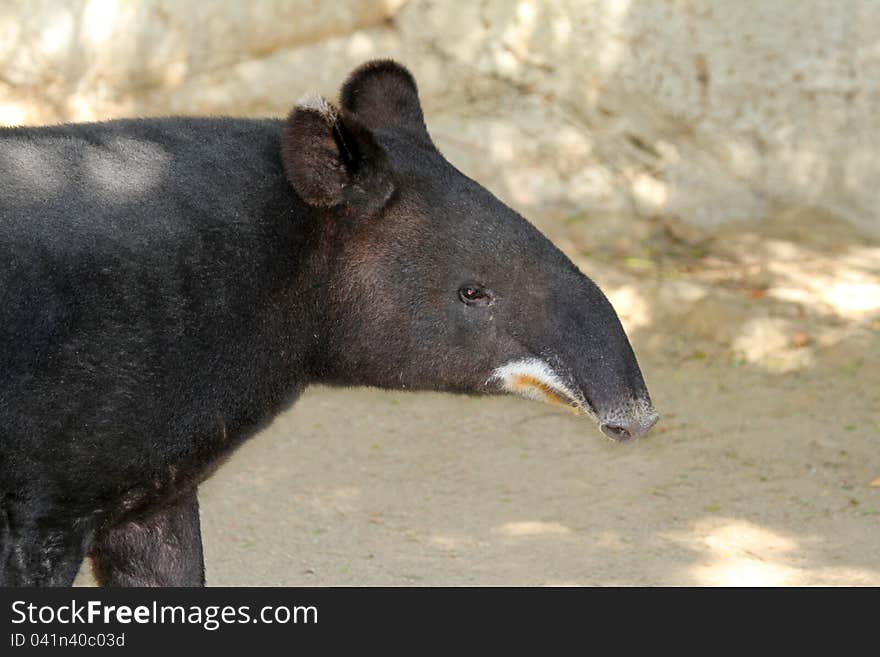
x: 711, y: 111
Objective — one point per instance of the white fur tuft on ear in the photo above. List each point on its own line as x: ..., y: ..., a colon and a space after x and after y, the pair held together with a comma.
x: 317, y: 103
x: 331, y: 158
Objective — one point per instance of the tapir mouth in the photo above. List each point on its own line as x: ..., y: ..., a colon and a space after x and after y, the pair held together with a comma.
x: 534, y: 379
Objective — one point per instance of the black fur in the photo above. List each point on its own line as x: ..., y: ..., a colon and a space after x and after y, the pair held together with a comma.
x: 162, y: 548
x: 385, y: 97
x: 170, y: 285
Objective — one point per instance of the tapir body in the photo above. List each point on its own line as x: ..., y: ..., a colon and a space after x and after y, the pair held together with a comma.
x: 170, y: 285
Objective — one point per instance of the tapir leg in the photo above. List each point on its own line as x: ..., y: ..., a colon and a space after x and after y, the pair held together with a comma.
x: 162, y: 548
x: 38, y: 549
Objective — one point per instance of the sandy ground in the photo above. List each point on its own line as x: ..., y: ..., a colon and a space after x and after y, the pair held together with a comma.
x: 760, y: 348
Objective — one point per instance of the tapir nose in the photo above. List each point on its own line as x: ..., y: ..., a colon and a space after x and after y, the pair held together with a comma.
x: 622, y: 430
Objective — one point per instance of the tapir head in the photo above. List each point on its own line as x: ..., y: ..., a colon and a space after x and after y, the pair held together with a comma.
x: 432, y: 282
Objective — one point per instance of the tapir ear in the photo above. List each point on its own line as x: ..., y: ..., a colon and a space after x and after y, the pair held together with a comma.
x: 331, y: 158
x: 384, y: 96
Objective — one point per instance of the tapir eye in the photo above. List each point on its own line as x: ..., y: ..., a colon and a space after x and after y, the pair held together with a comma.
x: 474, y: 294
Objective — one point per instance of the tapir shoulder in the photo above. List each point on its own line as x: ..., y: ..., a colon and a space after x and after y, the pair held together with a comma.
x: 134, y: 181
x: 149, y: 193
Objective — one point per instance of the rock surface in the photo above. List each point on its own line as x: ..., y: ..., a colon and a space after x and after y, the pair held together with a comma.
x: 702, y: 112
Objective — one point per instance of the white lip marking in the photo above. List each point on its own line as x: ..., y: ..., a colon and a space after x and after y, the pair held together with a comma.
x: 533, y: 378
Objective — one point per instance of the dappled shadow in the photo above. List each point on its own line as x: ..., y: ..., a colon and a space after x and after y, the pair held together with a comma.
x: 46, y: 173
x: 732, y: 552
x: 749, y: 292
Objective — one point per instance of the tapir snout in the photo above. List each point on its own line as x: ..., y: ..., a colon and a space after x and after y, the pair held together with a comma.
x: 608, y: 372
x: 633, y: 424
x: 576, y: 351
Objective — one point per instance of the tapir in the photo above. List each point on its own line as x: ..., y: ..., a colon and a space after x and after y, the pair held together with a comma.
x: 170, y: 285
